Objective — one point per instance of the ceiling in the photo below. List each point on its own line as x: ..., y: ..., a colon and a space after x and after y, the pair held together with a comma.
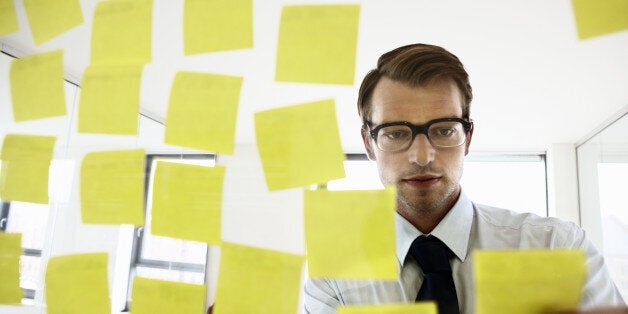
x: 535, y: 83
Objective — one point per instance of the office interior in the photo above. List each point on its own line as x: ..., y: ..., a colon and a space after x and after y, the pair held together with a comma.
x: 546, y: 101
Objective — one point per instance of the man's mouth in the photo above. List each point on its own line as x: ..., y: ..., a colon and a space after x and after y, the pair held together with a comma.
x: 422, y: 182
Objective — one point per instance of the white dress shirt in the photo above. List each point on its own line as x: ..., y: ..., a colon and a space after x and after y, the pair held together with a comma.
x: 467, y: 227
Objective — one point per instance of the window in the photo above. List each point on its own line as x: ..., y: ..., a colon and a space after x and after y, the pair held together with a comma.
x: 516, y: 182
x: 29, y: 220
x: 167, y: 258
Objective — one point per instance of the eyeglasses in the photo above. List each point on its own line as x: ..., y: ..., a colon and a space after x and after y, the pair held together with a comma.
x: 442, y: 133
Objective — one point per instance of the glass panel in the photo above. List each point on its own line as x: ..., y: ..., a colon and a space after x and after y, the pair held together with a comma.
x: 360, y: 175
x: 29, y: 271
x: 172, y: 275
x: 30, y: 220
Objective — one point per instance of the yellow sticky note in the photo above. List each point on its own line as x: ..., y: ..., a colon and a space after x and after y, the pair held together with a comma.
x: 216, y: 25
x: 351, y: 234
x: 600, y: 17
x: 541, y: 280
x: 10, y: 251
x: 413, y: 308
x: 76, y: 284
x: 317, y: 44
x: 112, y: 187
x: 157, y: 296
x: 110, y: 100
x: 49, y: 18
x: 8, y: 18
x: 202, y: 111
x: 121, y: 32
x: 299, y: 145
x: 25, y: 164
x: 37, y: 86
x: 187, y: 201
x: 270, y: 280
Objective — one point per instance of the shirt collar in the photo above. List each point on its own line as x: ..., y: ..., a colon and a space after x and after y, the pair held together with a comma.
x: 454, y: 230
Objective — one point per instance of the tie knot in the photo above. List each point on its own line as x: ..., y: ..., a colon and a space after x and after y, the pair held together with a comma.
x: 431, y: 254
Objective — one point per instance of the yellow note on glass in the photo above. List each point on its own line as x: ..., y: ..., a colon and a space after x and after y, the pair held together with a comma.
x: 8, y: 18
x: 351, y: 234
x: 10, y: 251
x: 112, y: 187
x: 529, y: 281
x: 37, y: 86
x: 413, y: 308
x: 216, y: 25
x: 110, y: 100
x: 600, y: 17
x: 25, y: 165
x: 77, y: 284
x: 121, y: 32
x: 299, y: 145
x: 187, y: 201
x: 202, y: 111
x: 49, y: 18
x: 269, y: 280
x: 317, y: 44
x: 157, y: 296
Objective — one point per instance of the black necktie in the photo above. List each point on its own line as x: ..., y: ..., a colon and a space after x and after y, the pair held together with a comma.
x: 438, y: 284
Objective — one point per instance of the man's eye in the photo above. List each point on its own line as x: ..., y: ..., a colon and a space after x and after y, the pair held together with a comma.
x: 396, y: 135
x: 444, y: 132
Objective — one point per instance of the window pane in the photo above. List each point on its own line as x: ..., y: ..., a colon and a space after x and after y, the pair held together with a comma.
x: 172, y: 275
x: 29, y: 220
x: 511, y: 184
x: 360, y: 175
x: 29, y: 271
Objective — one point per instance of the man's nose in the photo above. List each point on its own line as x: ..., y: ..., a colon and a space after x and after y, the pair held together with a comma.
x: 421, y: 150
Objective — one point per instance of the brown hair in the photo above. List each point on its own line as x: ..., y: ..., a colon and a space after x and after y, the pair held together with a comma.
x: 416, y: 65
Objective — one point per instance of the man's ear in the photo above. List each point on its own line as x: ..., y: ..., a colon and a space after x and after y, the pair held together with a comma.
x: 366, y: 138
x: 469, y: 137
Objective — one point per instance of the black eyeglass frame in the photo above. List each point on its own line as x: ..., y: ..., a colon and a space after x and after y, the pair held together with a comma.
x: 420, y: 129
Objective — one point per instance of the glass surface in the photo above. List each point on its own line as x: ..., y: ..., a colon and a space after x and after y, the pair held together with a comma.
x: 171, y: 275
x: 30, y: 220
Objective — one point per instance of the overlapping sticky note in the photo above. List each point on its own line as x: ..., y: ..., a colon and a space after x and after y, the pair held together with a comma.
x: 77, y: 284
x: 110, y: 100
x: 49, y: 18
x: 157, y: 296
x: 269, y: 280
x: 187, y: 201
x: 215, y: 25
x: 412, y: 308
x: 37, y: 86
x: 600, y: 17
x: 317, y: 44
x: 121, y: 32
x: 350, y: 234
x: 25, y: 164
x: 202, y: 111
x: 541, y: 280
x: 299, y: 145
x: 112, y: 187
x: 10, y: 251
x: 8, y: 18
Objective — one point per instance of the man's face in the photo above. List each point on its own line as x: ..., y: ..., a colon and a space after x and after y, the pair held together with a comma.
x: 426, y: 177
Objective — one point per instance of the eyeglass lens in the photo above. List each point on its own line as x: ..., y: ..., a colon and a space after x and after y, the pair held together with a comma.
x: 440, y: 134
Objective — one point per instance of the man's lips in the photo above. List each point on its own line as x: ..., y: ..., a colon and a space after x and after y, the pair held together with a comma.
x: 422, y: 181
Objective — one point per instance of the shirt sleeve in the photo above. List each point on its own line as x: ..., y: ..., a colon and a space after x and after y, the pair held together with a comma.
x: 319, y: 297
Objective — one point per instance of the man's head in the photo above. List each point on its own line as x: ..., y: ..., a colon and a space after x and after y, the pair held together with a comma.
x: 415, y: 113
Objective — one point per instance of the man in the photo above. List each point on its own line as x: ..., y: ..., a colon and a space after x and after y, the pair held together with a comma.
x: 415, y: 108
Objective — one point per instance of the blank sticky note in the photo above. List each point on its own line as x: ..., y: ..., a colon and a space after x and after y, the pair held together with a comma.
x: 541, y: 280
x: 112, y: 187
x: 299, y: 145
x: 187, y: 201
x: 216, y: 25
x: 49, y: 18
x: 25, y: 165
x: 110, y: 100
x: 317, y: 44
x: 202, y: 111
x: 600, y: 17
x: 121, y: 32
x: 251, y: 279
x: 413, y: 308
x: 77, y: 284
x: 37, y: 86
x: 8, y: 18
x: 350, y: 234
x: 10, y: 251
x: 151, y: 296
